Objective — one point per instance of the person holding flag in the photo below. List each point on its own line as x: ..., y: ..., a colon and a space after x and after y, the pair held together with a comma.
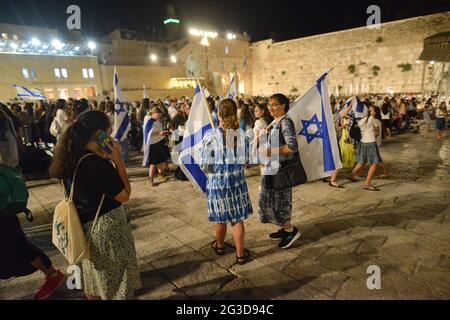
x: 275, y: 206
x: 155, y: 151
x: 223, y: 160
x: 122, y: 124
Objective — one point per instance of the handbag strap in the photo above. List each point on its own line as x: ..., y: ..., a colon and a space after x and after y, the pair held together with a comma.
x: 95, y: 220
x: 72, y: 187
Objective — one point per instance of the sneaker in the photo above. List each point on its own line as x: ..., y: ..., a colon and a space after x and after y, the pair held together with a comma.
x: 286, y: 242
x: 50, y: 285
x: 280, y: 234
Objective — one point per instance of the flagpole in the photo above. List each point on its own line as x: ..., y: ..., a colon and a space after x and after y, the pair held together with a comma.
x: 206, y: 103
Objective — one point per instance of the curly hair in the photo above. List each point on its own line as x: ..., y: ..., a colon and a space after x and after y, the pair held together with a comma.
x: 228, y: 115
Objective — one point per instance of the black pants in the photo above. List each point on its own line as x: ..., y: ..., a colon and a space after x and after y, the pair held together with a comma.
x: 16, y: 252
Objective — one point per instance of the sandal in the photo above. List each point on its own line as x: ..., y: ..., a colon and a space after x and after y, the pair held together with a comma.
x: 218, y: 250
x: 243, y: 260
x: 371, y: 188
x: 351, y: 178
x: 339, y: 186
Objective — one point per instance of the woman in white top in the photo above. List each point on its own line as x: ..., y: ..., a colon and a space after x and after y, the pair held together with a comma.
x: 367, y: 149
x: 441, y: 114
x: 263, y: 119
x: 62, y: 118
x: 155, y: 149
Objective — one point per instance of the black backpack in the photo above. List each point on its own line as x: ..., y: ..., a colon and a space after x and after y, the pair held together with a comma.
x: 355, y: 131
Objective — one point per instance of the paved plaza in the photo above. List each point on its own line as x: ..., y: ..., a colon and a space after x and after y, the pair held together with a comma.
x: 404, y: 229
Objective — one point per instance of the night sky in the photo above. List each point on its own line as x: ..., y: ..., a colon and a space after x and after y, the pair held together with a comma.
x: 259, y: 18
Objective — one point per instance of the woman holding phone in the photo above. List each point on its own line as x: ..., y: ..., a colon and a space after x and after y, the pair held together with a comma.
x: 155, y: 149
x: 111, y: 272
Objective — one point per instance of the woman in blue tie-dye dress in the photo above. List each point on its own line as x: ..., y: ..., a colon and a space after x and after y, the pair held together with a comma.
x: 226, y: 189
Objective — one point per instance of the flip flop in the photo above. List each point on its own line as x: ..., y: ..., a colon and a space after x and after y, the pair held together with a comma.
x: 371, y: 188
x: 339, y: 186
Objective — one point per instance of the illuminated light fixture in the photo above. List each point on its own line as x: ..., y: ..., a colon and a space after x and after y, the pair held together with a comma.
x: 417, y: 61
x: 432, y: 62
x: 77, y: 48
x: 231, y: 36
x: 173, y: 59
x: 54, y: 51
x: 41, y: 51
x: 204, y: 41
x: 24, y: 45
x: 171, y: 20
x: 92, y: 45
x: 45, y: 46
x: 2, y: 43
x: 201, y: 33
x: 14, y: 46
x: 21, y: 50
x: 35, y: 42
x: 57, y: 44
x: 153, y: 57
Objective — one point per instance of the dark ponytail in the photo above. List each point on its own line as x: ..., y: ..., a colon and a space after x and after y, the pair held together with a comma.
x: 72, y: 145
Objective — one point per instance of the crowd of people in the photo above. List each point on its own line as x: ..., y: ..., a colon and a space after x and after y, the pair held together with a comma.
x: 70, y: 129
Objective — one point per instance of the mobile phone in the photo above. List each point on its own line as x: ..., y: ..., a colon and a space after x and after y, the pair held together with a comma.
x: 104, y: 141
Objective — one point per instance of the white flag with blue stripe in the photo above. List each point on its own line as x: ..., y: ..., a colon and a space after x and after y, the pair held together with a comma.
x: 121, y: 119
x: 232, y: 90
x: 145, y: 93
x: 316, y: 132
x: 24, y: 92
x: 355, y: 107
x: 196, y: 127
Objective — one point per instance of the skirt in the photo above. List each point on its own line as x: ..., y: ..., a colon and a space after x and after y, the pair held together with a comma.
x: 440, y: 124
x: 16, y: 251
x: 387, y: 123
x: 367, y: 153
x: 275, y: 206
x: 158, y: 153
x: 111, y: 272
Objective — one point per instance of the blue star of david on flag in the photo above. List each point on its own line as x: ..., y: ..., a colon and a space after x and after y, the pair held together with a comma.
x: 311, y: 136
x: 121, y: 108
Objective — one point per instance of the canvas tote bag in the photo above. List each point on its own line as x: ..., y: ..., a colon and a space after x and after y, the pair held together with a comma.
x: 68, y: 235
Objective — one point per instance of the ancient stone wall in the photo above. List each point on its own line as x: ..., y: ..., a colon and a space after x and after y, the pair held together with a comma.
x: 364, y: 60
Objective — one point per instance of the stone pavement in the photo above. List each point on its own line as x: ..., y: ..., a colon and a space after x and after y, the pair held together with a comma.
x: 404, y: 229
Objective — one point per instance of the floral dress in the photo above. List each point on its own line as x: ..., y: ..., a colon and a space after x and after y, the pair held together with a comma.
x: 226, y: 190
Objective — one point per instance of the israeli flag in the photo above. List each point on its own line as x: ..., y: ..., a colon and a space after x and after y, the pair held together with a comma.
x: 232, y: 90
x: 355, y: 107
x: 24, y: 92
x: 316, y: 132
x: 148, y: 129
x: 121, y: 119
x: 196, y: 127
x: 145, y: 93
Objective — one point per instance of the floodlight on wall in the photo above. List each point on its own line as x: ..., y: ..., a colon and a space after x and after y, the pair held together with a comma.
x: 76, y: 48
x: 418, y: 61
x: 45, y: 46
x: 202, y: 33
x: 231, y: 36
x: 92, y: 45
x: 35, y: 42
x: 14, y: 45
x: 57, y: 44
x: 432, y: 62
x: 173, y: 59
x: 153, y: 57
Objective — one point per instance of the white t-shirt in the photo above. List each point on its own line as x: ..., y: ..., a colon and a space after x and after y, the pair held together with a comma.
x: 378, y: 128
x: 61, y: 118
x: 172, y: 112
x: 367, y: 126
x: 440, y: 113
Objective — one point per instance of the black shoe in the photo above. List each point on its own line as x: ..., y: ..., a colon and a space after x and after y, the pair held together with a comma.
x: 280, y: 234
x: 286, y: 242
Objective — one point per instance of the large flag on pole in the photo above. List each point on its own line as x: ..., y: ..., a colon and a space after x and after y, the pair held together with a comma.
x: 121, y: 120
x: 316, y: 132
x: 198, y: 123
x: 232, y: 90
x: 24, y: 92
x: 145, y: 93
